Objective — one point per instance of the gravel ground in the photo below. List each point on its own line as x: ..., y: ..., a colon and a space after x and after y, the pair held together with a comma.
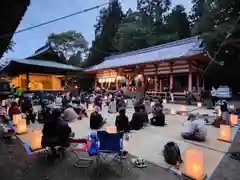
x: 17, y: 165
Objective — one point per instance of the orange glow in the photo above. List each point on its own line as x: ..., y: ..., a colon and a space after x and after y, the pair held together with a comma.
x: 111, y: 129
x: 225, y: 133
x: 21, y: 126
x: 172, y: 112
x: 16, y: 118
x: 183, y: 108
x: 194, y: 163
x: 233, y: 119
x: 36, y: 139
x: 90, y: 107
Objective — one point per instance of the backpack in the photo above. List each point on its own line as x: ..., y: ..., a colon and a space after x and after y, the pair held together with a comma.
x: 172, y: 153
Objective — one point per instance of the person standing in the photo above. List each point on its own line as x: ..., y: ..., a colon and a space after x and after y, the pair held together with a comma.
x: 213, y: 95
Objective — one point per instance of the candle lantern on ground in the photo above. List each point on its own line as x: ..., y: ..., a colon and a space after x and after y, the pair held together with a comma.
x: 21, y: 126
x: 164, y: 101
x: 199, y: 104
x: 183, y: 108
x: 172, y: 112
x: 36, y: 140
x: 233, y: 119
x: 225, y: 133
x: 194, y: 164
x: 111, y: 129
x: 16, y: 118
x: 90, y: 107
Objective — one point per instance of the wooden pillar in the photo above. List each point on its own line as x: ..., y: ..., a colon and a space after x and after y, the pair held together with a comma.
x: 171, y: 76
x: 27, y: 81
x: 190, y: 77
x: 160, y: 85
x: 156, y: 83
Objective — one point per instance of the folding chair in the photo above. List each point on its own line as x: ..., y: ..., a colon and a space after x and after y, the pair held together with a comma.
x: 81, y: 145
x: 110, y: 144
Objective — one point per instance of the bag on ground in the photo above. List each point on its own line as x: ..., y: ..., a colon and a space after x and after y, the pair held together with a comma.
x: 172, y: 153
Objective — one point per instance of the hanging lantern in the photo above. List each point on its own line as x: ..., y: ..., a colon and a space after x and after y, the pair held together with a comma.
x: 164, y: 101
x: 36, y: 140
x: 16, y: 118
x: 90, y: 107
x: 21, y: 126
x: 194, y: 164
x: 225, y: 133
x: 233, y: 119
x: 183, y: 108
x: 199, y: 104
x: 111, y: 129
x: 172, y: 112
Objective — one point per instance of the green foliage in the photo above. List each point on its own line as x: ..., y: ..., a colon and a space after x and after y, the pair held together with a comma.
x: 217, y: 19
x: 10, y: 46
x: 177, y: 22
x: 68, y: 43
x: 75, y: 60
x: 105, y: 31
x: 151, y: 24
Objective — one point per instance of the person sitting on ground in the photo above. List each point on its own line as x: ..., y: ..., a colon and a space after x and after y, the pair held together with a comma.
x: 122, y: 122
x: 56, y: 132
x: 96, y: 119
x: 147, y: 105
x: 65, y: 102
x: 197, y: 129
x: 14, y: 109
x: 138, y: 118
x: 58, y: 100
x: 158, y: 118
x: 98, y: 101
x: 69, y: 114
x: 112, y: 106
x: 225, y: 113
x: 4, y: 117
x: 83, y: 107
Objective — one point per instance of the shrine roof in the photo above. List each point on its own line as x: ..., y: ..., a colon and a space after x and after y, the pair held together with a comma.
x: 20, y: 66
x: 173, y: 50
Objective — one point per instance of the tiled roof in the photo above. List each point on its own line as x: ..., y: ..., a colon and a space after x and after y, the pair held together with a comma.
x: 43, y: 63
x: 186, y: 47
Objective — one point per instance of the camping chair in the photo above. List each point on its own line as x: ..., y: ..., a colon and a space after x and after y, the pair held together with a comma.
x: 110, y: 144
x: 80, y: 145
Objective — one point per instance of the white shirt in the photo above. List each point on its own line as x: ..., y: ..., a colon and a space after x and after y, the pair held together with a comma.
x: 198, y: 128
x: 213, y: 92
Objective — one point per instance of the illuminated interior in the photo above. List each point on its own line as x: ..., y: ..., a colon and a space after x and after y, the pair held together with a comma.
x: 39, y: 82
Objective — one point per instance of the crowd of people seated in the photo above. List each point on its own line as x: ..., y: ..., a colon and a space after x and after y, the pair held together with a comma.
x: 56, y: 131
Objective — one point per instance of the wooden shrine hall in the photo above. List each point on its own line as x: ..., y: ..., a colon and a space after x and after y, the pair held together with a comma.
x: 177, y: 64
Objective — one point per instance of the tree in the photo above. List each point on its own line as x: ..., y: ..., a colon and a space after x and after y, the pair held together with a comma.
x: 154, y: 9
x: 76, y: 59
x: 68, y: 43
x: 198, y: 9
x: 10, y: 46
x: 177, y: 22
x: 106, y: 28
